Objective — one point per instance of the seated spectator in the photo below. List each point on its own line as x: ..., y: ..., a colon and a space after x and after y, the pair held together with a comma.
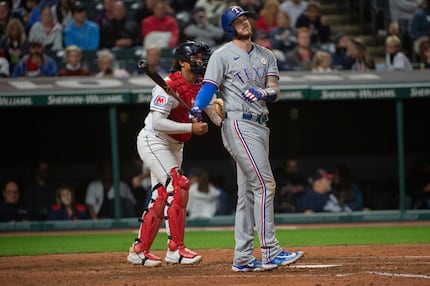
x: 321, y: 62
x: 40, y: 194
x: 11, y: 209
x: 4, y: 16
x: 62, y: 12
x: 317, y: 24
x: 203, y: 200
x: 106, y: 13
x: 36, y: 63
x: 100, y: 196
x: 290, y: 187
x: 24, y: 12
x: 107, y: 65
x: 199, y: 29
x: 213, y: 8
x: 47, y: 31
x: 418, y: 184
x: 120, y: 32
x: 294, y: 8
x: 420, y: 25
x: 81, y: 32
x: 318, y: 197
x: 160, y: 29
x: 153, y: 58
x: 66, y: 208
x: 395, y: 59
x: 73, y: 66
x: 300, y: 58
x: 346, y: 191
x: 282, y: 37
x: 4, y: 65
x: 362, y: 61
x: 425, y: 63
x: 340, y: 60
x: 14, y: 43
x: 266, y: 21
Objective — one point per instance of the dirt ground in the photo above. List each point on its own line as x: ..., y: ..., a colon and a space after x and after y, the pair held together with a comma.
x: 339, y: 265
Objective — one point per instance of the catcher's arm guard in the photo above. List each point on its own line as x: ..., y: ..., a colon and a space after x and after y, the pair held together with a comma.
x: 215, y: 111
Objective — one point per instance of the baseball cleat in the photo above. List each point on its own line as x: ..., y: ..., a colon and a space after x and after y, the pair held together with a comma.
x: 182, y: 255
x: 143, y: 258
x: 252, y: 266
x: 283, y: 258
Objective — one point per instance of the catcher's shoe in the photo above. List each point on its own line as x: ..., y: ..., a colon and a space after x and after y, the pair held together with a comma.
x: 252, y: 266
x: 143, y: 258
x: 182, y: 255
x: 283, y: 258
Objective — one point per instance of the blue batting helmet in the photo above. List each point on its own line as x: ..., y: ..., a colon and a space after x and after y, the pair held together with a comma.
x: 228, y: 17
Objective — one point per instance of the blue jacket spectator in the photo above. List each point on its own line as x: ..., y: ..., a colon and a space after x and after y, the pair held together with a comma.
x: 35, y: 63
x: 81, y: 32
x: 420, y: 26
x: 66, y: 208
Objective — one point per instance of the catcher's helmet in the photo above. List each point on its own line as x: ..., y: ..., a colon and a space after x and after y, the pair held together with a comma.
x: 188, y: 48
x: 228, y: 17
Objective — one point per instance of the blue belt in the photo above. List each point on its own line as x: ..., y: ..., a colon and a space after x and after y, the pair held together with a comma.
x: 262, y: 119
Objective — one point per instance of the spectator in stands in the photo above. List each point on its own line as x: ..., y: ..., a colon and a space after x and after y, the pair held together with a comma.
x: 347, y: 192
x: 290, y: 187
x: 253, y: 6
x: 321, y: 62
x: 40, y: 194
x: 153, y: 58
x: 201, y: 30
x: 81, y: 32
x: 100, y: 196
x: 14, y: 42
x: 36, y: 63
x: 420, y: 25
x: 141, y: 185
x: 107, y: 65
x: 294, y: 8
x: 120, y: 32
x: 47, y: 31
x: 4, y: 65
x: 358, y: 51
x: 318, y: 196
x: 425, y: 63
x: 213, y: 8
x: 106, y: 13
x: 160, y: 28
x: 395, y: 59
x: 317, y: 24
x: 282, y: 37
x: 4, y: 16
x: 340, y: 60
x: 11, y: 208
x: 62, y: 12
x: 300, y: 58
x: 66, y: 208
x: 73, y: 56
x: 266, y: 22
x: 147, y: 9
x: 24, y: 12
x: 418, y: 184
x: 203, y: 200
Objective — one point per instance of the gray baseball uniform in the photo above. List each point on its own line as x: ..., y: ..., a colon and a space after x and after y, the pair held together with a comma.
x: 246, y: 137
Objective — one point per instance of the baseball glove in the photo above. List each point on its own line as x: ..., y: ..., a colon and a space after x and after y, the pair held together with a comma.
x: 218, y: 105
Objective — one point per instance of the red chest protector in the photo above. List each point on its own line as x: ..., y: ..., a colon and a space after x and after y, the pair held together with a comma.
x: 187, y: 92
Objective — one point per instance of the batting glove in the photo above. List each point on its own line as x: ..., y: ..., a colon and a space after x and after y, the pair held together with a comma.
x: 196, y: 114
x: 254, y: 94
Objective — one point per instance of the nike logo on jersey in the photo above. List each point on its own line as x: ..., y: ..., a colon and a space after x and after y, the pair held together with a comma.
x: 236, y: 58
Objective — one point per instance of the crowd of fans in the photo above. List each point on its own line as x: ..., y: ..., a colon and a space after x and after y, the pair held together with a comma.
x: 36, y: 36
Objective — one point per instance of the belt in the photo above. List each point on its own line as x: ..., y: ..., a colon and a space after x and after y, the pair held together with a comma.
x: 262, y: 119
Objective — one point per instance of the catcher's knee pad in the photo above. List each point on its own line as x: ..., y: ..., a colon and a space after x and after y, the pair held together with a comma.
x: 176, y: 207
x: 151, y: 219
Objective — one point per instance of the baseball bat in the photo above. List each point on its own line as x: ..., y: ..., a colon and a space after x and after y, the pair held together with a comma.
x: 155, y: 76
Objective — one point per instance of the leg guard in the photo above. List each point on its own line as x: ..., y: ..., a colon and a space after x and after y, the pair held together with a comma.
x: 176, y: 208
x: 151, y: 219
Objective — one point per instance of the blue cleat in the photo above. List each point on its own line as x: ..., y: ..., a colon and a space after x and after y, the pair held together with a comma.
x: 283, y: 258
x: 252, y: 266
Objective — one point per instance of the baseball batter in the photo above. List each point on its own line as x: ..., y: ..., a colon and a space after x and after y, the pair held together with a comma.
x: 160, y: 145
x: 246, y: 75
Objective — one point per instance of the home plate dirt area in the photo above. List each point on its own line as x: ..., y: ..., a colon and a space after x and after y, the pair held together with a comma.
x: 335, y: 265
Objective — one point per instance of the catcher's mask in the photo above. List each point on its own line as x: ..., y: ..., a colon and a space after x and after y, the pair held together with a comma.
x: 185, y: 50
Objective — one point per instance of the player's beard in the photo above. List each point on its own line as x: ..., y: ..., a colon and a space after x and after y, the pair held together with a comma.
x: 244, y: 36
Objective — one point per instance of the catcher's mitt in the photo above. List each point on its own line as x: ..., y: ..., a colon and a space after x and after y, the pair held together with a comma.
x: 218, y: 105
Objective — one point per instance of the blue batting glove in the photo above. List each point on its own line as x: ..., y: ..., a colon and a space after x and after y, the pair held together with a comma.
x: 196, y: 114
x: 254, y: 94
